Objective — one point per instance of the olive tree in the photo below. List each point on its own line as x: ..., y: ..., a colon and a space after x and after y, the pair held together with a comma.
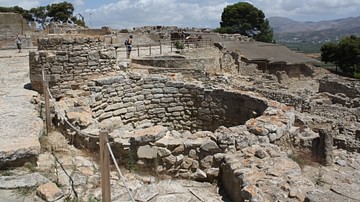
x: 246, y: 19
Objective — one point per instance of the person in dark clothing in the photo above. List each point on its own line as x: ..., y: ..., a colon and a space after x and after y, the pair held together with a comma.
x: 18, y: 43
x: 128, y: 44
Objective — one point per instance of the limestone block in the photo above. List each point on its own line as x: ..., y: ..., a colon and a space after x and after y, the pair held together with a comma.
x: 120, y: 112
x: 163, y: 152
x: 170, y: 160
x: 146, y: 135
x: 187, y: 163
x: 170, y: 90
x: 27, y: 180
x: 179, y: 149
x: 194, y: 143
x: 272, y: 137
x: 263, y: 139
x: 251, y: 193
x: 147, y: 152
x: 179, y: 159
x: 105, y: 116
x: 195, y: 164
x: 198, y: 175
x: 108, y: 53
x: 167, y: 100
x: 94, y: 56
x: 212, y: 173
x: 177, y: 108
x: 128, y: 115
x: 210, y: 146
x: 207, y: 162
x: 49, y: 192
x: 193, y: 154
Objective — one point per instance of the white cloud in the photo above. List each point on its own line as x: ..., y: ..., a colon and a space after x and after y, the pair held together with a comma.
x: 23, y: 4
x: 126, y: 13
x: 192, y: 13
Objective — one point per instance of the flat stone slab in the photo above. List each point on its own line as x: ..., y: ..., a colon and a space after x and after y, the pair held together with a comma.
x: 20, y: 124
x: 27, y: 180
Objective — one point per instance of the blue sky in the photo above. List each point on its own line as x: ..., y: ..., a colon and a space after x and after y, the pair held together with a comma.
x: 192, y: 13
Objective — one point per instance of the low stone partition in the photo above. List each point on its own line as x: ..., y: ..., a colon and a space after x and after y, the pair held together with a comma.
x: 349, y: 87
x: 179, y: 105
x: 176, y: 62
x: 238, y: 156
x: 196, y: 155
x: 69, y: 62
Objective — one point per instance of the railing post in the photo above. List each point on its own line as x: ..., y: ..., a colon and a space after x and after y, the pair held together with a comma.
x: 138, y: 50
x: 105, y: 166
x: 47, y: 105
x: 170, y: 46
x: 150, y: 50
x: 160, y: 49
x: 47, y: 101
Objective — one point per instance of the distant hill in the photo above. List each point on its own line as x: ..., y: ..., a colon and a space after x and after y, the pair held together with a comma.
x: 309, y: 36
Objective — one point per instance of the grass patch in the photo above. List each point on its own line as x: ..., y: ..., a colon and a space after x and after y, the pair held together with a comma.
x: 24, y: 191
x: 319, y: 179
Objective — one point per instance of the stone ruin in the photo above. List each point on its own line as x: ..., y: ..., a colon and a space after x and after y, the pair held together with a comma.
x: 236, y: 133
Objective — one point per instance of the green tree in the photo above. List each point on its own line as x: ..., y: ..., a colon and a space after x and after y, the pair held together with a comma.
x: 245, y: 19
x: 60, y: 12
x: 40, y: 15
x: 57, y: 12
x: 345, y: 54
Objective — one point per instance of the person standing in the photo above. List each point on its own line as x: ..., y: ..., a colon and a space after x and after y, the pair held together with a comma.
x: 18, y: 43
x: 128, y: 44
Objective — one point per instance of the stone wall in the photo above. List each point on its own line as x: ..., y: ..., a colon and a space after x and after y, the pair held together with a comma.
x: 350, y: 88
x: 176, y: 104
x: 176, y: 62
x: 292, y: 70
x: 70, y: 62
x: 12, y: 24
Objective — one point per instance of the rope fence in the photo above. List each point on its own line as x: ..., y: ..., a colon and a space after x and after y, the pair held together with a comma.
x: 164, y: 47
x: 105, y: 148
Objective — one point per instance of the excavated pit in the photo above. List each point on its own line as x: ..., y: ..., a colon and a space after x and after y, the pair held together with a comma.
x: 175, y: 104
x: 180, y: 129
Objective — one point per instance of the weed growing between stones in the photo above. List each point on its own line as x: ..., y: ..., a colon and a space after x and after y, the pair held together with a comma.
x: 31, y: 166
x: 130, y: 162
x: 24, y: 191
x: 318, y: 179
x: 90, y: 199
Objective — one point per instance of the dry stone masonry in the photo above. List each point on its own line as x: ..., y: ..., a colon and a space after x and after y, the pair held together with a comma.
x: 199, y: 130
x: 68, y: 62
x: 179, y: 105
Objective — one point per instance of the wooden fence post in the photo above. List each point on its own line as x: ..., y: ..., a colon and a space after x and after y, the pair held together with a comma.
x: 47, y: 105
x: 105, y: 166
x: 160, y: 49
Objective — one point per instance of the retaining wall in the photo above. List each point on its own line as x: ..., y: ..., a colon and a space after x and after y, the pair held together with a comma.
x: 176, y: 104
x: 70, y: 62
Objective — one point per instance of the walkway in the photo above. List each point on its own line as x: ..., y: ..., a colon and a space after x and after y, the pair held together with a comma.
x: 20, y: 125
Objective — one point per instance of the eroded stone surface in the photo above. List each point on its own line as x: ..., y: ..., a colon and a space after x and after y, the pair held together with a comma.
x: 20, y: 124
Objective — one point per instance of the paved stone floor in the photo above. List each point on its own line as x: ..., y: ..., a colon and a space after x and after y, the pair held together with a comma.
x: 20, y: 125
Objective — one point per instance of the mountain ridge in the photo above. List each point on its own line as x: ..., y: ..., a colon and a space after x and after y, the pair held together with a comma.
x: 310, y: 36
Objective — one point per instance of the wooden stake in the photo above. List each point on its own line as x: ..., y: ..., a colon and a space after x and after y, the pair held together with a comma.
x: 105, y: 166
x: 47, y: 106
